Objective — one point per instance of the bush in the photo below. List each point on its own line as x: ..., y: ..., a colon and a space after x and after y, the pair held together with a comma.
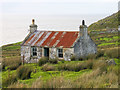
x: 13, y: 67
x: 2, y: 66
x: 24, y: 72
x: 42, y: 61
x: 81, y: 58
x: 53, y: 61
x: 73, y: 58
x: 9, y: 80
x: 100, y: 54
x: 91, y: 56
x: 47, y: 67
x: 76, y: 67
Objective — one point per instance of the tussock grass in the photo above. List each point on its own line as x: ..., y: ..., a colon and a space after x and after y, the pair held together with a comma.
x: 102, y: 76
x: 9, y: 80
x: 112, y: 53
x: 11, y: 63
x: 18, y: 85
x: 47, y: 67
x: 24, y: 72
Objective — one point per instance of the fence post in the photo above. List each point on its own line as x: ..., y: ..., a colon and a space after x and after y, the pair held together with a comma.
x: 23, y: 60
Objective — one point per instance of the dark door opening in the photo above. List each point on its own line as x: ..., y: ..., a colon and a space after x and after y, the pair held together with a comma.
x: 46, y: 52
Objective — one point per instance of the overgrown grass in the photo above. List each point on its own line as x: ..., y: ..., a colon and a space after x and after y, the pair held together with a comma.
x: 11, y: 63
x: 24, y: 72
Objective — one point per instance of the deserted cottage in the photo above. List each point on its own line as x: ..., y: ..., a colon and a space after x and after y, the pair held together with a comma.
x: 60, y: 44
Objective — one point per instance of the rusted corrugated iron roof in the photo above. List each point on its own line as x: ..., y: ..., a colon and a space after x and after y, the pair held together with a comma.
x: 63, y: 39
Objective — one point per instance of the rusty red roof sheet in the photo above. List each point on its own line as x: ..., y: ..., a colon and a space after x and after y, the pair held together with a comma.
x: 63, y: 39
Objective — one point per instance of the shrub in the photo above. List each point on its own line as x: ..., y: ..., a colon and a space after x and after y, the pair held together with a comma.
x: 9, y: 80
x: 47, y: 67
x: 53, y: 61
x: 62, y: 60
x: 73, y: 58
x: 42, y: 61
x: 100, y: 53
x: 91, y: 56
x: 2, y: 66
x: 81, y: 58
x: 13, y: 67
x: 24, y: 72
x: 76, y: 67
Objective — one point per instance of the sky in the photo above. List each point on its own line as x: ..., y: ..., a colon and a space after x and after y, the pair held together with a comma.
x: 16, y: 15
x: 58, y: 7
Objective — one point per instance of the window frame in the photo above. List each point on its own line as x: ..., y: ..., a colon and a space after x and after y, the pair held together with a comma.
x: 34, y: 51
x: 60, y: 52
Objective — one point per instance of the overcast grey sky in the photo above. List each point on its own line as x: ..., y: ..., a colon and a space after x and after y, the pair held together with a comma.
x: 58, y: 7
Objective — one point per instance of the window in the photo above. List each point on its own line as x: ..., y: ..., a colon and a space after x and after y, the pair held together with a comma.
x: 34, y: 51
x: 60, y: 53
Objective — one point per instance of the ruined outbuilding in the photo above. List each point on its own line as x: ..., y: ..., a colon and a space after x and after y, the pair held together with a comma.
x: 60, y: 44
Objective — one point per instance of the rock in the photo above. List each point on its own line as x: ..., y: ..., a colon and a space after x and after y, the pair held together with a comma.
x: 111, y: 62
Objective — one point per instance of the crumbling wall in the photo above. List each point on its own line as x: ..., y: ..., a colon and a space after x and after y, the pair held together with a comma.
x: 67, y: 53
x: 25, y: 53
x: 52, y: 53
x: 84, y: 46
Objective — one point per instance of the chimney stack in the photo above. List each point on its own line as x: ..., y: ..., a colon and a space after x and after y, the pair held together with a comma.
x: 33, y: 27
x: 83, y: 30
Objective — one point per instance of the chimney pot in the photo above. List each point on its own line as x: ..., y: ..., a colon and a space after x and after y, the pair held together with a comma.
x: 33, y: 21
x: 83, y: 22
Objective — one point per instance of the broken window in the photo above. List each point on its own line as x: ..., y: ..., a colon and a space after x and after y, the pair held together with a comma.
x: 34, y: 51
x: 60, y: 53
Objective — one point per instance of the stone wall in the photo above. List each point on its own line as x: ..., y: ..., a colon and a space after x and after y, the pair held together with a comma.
x: 26, y: 52
x: 68, y: 52
x: 84, y: 46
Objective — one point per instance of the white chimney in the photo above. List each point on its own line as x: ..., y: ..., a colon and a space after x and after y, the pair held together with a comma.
x: 33, y: 27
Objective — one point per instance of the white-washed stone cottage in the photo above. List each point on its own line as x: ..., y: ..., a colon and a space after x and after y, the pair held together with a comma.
x: 60, y: 44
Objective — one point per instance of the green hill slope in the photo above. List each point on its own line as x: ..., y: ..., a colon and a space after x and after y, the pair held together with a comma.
x: 108, y: 22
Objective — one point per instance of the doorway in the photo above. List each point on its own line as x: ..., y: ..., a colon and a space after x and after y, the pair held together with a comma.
x: 46, y: 52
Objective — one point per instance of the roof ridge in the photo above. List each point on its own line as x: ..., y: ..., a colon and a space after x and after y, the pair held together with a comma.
x: 55, y: 31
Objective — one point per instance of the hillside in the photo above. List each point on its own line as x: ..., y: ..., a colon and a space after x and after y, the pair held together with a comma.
x: 108, y: 22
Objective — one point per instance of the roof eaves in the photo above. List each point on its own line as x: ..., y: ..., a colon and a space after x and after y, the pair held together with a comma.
x: 22, y: 44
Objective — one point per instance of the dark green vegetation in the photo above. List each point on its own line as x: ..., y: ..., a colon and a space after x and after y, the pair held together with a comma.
x: 106, y: 23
